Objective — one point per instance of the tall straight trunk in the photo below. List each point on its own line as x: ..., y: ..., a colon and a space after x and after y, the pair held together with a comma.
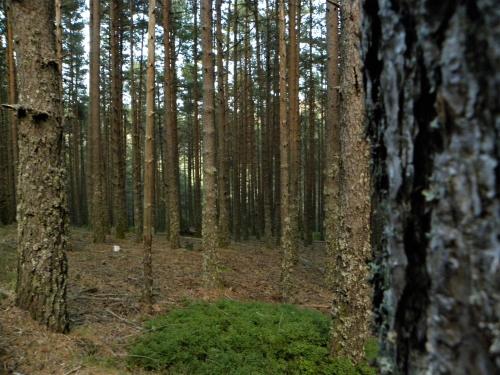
x: 235, y: 152
x: 75, y: 145
x: 287, y: 242
x: 294, y: 118
x: 42, y: 226
x: 267, y: 127
x: 433, y: 116
x: 276, y: 135
x: 149, y: 165
x: 190, y: 198
x: 118, y: 152
x: 332, y: 145
x: 351, y: 308
x: 221, y: 109
x: 196, y: 125
x: 209, y: 227
x: 98, y: 213
x: 12, y: 99
x: 172, y: 160
x: 244, y: 138
x: 309, y: 170
x: 136, y: 131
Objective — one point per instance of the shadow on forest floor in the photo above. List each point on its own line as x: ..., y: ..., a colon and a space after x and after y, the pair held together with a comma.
x: 104, y: 292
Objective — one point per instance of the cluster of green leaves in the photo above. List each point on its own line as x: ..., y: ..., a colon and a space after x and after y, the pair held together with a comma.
x: 229, y: 337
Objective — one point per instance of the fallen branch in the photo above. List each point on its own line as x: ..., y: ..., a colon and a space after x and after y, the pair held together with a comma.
x: 73, y: 370
x: 124, y: 320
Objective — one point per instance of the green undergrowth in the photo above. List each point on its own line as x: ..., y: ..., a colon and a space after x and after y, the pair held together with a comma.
x: 229, y: 337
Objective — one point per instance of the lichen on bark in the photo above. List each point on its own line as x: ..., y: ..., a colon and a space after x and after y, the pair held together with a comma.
x: 431, y: 77
x: 41, y: 210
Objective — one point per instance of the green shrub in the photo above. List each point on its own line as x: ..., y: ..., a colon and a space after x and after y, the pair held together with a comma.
x: 229, y: 337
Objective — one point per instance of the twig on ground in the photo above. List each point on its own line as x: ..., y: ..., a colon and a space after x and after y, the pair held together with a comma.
x: 124, y: 320
x: 72, y: 371
x: 316, y: 306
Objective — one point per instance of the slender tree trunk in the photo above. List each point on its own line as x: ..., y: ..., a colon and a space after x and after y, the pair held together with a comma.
x: 294, y: 121
x: 149, y: 165
x: 98, y: 213
x: 236, y: 134
x: 287, y: 242
x: 244, y: 130
x: 209, y: 227
x: 196, y: 125
x: 172, y: 160
x: 136, y: 131
x: 118, y: 152
x: 12, y: 99
x: 267, y: 129
x: 42, y: 266
x: 351, y: 309
x: 223, y: 223
x: 290, y: 149
x: 309, y: 170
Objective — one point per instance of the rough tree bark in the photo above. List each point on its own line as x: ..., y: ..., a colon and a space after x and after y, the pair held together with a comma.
x: 196, y: 125
x: 432, y: 97
x: 118, y: 152
x: 42, y: 212
x: 209, y: 226
x: 136, y: 134
x: 172, y: 160
x: 149, y: 164
x: 223, y: 223
x: 351, y: 308
x: 12, y: 99
x: 287, y: 242
x: 97, y: 210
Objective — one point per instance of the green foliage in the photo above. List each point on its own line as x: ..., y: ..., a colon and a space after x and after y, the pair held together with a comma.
x: 229, y: 337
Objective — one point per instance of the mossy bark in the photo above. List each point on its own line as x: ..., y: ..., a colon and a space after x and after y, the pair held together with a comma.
x: 432, y: 98
x: 42, y: 212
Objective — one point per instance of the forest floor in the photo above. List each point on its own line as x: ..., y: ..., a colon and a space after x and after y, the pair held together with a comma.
x: 104, y: 292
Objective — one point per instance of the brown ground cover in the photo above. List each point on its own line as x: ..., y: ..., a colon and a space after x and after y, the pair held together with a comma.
x: 104, y: 294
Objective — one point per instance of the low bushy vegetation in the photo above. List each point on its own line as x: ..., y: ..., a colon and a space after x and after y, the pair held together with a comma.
x: 229, y: 337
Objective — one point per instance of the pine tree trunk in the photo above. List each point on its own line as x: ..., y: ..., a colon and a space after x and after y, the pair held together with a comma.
x: 209, y: 227
x: 12, y: 99
x: 118, y: 154
x: 98, y: 219
x: 310, y: 146
x: 172, y: 164
x: 351, y: 308
x: 136, y: 131
x: 223, y: 223
x: 42, y: 212
x: 287, y: 243
x: 236, y: 134
x: 267, y: 131
x: 149, y: 165
x: 332, y: 147
x: 433, y: 111
x: 196, y: 125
